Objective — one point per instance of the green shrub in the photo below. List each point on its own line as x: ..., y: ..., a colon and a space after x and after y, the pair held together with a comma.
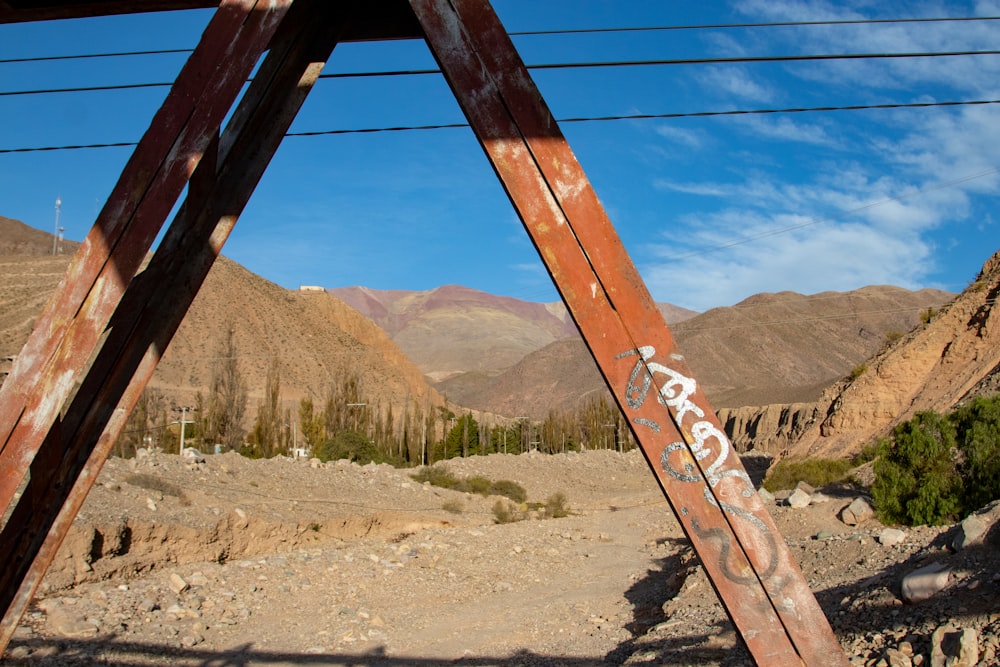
x: 477, y: 484
x: 349, y: 445
x: 509, y: 489
x: 555, y: 506
x: 785, y: 474
x: 436, y: 476
x: 917, y: 481
x: 453, y: 506
x: 507, y: 512
x: 977, y: 427
x: 858, y: 371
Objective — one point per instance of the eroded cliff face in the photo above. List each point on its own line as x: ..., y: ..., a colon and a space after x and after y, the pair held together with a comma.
x: 946, y: 360
x: 769, y: 429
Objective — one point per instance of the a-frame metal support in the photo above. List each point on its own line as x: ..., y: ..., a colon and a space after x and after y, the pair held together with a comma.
x: 93, y: 350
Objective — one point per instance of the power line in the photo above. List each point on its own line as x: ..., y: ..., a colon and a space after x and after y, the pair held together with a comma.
x: 578, y: 119
x: 86, y: 56
x: 568, y: 31
x: 772, y: 24
x: 662, y: 62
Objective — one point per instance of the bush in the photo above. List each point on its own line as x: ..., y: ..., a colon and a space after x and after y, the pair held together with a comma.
x: 349, y: 445
x: 977, y: 427
x: 917, y: 481
x: 858, y: 371
x: 509, y: 489
x: 818, y: 473
x: 453, y: 506
x: 555, y: 506
x: 436, y: 476
x: 506, y: 512
x: 477, y: 484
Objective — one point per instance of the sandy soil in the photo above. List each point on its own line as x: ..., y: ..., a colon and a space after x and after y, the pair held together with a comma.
x: 240, y: 562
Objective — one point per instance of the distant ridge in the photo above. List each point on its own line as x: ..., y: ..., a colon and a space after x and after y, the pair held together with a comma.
x: 453, y: 329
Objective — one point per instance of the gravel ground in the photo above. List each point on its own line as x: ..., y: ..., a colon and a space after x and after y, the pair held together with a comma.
x: 240, y: 562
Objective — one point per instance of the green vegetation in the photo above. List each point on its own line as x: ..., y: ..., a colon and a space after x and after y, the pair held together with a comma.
x: 438, y: 476
x: 154, y: 483
x: 786, y: 474
x: 507, y: 512
x: 349, y: 445
x: 555, y: 506
x: 935, y: 469
x: 927, y: 315
x: 453, y: 506
x: 858, y: 371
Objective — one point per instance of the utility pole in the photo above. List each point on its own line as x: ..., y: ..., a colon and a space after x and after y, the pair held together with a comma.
x: 183, y: 410
x: 55, y: 233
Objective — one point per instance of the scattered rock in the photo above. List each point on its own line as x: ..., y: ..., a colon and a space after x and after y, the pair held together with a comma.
x: 857, y: 512
x: 798, y: 499
x: 951, y: 647
x: 890, y: 537
x: 926, y: 582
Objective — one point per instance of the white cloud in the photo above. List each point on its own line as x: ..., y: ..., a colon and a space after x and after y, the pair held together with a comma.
x: 784, y: 128
x: 820, y: 258
x: 736, y: 82
x: 676, y: 135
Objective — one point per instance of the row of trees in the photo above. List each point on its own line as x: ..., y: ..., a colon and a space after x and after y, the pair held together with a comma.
x: 348, y: 423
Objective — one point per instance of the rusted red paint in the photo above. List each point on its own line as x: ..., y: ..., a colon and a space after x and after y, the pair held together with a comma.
x: 751, y: 568
x: 155, y: 303
x: 118, y: 322
x: 42, y: 378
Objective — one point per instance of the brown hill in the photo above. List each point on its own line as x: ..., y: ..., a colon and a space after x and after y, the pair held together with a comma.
x: 453, y: 330
x: 770, y: 348
x: 951, y: 358
x: 316, y: 339
x: 20, y: 239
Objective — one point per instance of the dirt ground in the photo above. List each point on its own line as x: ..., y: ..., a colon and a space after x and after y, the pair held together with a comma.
x: 241, y: 562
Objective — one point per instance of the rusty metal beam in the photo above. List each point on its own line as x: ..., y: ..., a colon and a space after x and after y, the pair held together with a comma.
x: 159, y: 297
x: 363, y: 21
x: 55, y: 403
x: 99, y: 340
x: 749, y: 564
x: 43, y: 376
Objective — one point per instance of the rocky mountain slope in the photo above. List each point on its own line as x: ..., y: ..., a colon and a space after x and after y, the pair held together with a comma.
x: 951, y: 357
x: 768, y: 349
x: 316, y: 339
x: 453, y: 330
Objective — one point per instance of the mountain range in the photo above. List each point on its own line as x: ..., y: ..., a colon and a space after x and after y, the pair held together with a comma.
x: 775, y: 365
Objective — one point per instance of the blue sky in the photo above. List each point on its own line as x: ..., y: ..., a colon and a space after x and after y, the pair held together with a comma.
x: 711, y: 209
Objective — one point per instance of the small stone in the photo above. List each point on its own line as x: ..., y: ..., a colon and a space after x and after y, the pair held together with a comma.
x: 924, y: 583
x: 798, y: 499
x: 890, y: 537
x: 177, y: 583
x: 857, y: 512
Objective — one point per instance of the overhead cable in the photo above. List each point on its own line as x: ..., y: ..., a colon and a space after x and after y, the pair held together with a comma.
x: 580, y: 119
x: 573, y: 65
x: 571, y: 31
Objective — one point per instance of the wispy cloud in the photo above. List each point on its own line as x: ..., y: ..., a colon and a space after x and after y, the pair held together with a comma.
x: 733, y: 81
x: 682, y: 137
x: 787, y: 129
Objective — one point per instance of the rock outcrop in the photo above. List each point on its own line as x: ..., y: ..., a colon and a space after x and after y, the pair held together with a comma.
x: 952, y: 357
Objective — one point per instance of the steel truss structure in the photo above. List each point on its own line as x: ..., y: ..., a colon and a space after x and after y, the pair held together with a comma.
x: 91, y: 353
